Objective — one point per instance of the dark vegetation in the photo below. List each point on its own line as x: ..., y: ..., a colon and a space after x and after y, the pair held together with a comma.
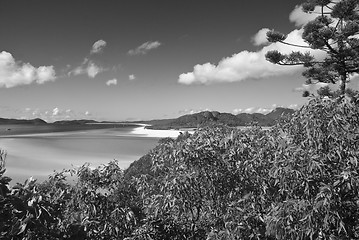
x: 207, y: 118
x: 297, y: 180
x: 36, y: 121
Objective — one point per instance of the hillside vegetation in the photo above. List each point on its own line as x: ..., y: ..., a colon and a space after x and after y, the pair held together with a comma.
x: 204, y: 118
x: 36, y: 121
x: 297, y: 180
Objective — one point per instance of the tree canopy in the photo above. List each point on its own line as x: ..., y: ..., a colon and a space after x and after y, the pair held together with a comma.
x: 335, y: 32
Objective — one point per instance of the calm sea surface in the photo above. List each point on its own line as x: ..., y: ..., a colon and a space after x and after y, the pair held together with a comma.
x: 38, y: 155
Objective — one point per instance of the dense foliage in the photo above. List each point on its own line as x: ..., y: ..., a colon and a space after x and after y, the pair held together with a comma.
x: 99, y: 205
x: 297, y: 180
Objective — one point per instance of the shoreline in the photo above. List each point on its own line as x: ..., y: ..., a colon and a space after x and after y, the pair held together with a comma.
x: 38, y: 153
x: 136, y: 129
x: 147, y: 132
x: 13, y: 130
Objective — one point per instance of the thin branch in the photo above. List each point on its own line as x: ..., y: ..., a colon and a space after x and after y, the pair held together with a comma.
x: 296, y: 64
x: 326, y: 13
x: 289, y: 64
x: 336, y: 27
x: 294, y: 45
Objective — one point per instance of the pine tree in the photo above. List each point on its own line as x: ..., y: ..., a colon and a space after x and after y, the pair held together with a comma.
x: 335, y: 31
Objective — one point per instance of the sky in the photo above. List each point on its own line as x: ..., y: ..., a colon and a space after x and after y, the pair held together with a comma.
x: 140, y: 59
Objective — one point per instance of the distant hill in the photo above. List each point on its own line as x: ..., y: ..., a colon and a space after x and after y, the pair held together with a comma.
x: 74, y: 122
x: 36, y: 121
x: 207, y: 117
x: 185, y: 121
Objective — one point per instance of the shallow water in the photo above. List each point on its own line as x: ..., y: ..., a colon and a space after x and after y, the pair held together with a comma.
x: 38, y: 155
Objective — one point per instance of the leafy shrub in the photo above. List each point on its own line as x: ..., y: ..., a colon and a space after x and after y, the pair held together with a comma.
x: 316, y: 172
x: 297, y: 180
x: 25, y: 212
x: 99, y: 205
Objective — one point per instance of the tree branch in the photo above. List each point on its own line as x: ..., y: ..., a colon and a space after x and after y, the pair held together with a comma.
x: 294, y: 45
x: 331, y: 49
x: 289, y: 64
x: 297, y: 64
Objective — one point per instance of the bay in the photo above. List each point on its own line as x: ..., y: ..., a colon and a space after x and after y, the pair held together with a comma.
x: 38, y: 155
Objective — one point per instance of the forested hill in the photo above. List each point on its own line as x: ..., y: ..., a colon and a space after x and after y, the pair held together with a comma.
x: 36, y: 121
x: 207, y: 117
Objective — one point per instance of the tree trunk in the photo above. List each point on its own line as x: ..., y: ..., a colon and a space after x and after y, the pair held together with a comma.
x: 343, y: 84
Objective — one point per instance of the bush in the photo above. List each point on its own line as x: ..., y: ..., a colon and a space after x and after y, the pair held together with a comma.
x: 297, y: 180
x: 316, y: 173
x: 99, y: 205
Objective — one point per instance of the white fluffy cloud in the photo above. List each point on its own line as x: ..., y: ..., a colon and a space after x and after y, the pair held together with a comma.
x: 87, y: 67
x: 253, y: 65
x: 144, y: 48
x: 111, y: 82
x: 131, y: 77
x: 98, y: 46
x: 244, y: 65
x: 300, y: 18
x: 260, y: 38
x: 14, y: 73
x: 92, y: 70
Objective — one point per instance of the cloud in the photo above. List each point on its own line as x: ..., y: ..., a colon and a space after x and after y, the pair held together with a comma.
x: 55, y: 111
x: 252, y: 110
x: 131, y: 77
x: 249, y: 65
x: 98, y: 46
x: 260, y: 38
x: 244, y: 65
x: 111, y: 82
x: 144, y: 48
x: 54, y: 114
x: 48, y: 114
x: 262, y: 110
x: 87, y: 67
x: 300, y: 18
x: 192, y: 111
x: 237, y: 111
x: 92, y: 70
x: 253, y: 65
x: 294, y: 106
x: 14, y: 73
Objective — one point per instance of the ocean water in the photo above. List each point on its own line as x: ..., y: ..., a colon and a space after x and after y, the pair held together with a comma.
x: 38, y: 155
